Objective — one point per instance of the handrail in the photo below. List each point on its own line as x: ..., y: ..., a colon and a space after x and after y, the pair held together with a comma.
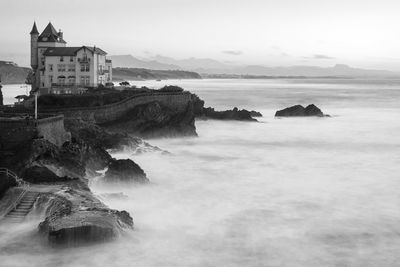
x: 15, y: 203
x: 20, y: 183
x: 11, y: 174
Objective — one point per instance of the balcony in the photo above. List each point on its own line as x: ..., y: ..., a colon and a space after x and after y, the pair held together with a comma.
x: 84, y: 60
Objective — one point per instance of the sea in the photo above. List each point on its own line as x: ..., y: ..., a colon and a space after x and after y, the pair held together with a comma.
x: 278, y: 192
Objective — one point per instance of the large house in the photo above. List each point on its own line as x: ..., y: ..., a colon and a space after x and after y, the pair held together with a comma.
x: 58, y: 69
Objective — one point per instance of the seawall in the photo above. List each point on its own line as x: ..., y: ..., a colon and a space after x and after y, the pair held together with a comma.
x: 177, y: 101
x: 16, y: 130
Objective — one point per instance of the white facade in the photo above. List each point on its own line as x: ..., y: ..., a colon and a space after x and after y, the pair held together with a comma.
x: 60, y: 69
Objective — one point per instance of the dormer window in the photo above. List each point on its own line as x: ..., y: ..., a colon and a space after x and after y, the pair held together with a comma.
x: 61, y: 58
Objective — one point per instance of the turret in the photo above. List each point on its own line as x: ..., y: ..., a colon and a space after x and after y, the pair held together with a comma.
x: 34, y: 47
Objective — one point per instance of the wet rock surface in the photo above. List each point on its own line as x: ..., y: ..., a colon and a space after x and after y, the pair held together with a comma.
x: 73, y: 216
x: 125, y: 170
x: 300, y: 111
x: 41, y: 174
x: 153, y: 120
x: 234, y: 114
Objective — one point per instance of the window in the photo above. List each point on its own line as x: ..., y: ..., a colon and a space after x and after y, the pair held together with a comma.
x: 71, y: 59
x: 50, y: 67
x: 85, y: 68
x: 84, y: 57
x: 51, y: 79
x: 85, y: 80
x: 71, y: 67
x: 61, y: 58
x: 71, y: 80
x: 61, y: 80
x: 61, y: 67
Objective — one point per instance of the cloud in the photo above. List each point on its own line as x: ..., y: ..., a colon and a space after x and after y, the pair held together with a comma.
x: 320, y: 56
x: 233, y: 52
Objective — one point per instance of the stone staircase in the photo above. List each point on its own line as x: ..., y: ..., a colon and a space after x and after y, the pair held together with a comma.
x: 22, y: 208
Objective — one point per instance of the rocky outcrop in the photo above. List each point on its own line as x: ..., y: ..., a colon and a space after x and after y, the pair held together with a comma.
x: 126, y: 171
x: 41, y: 174
x: 254, y: 113
x: 300, y: 111
x: 234, y: 114
x: 73, y: 216
x: 156, y: 120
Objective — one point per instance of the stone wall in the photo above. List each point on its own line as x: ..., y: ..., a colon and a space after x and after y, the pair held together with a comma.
x: 14, y: 131
x: 175, y: 100
x: 52, y: 129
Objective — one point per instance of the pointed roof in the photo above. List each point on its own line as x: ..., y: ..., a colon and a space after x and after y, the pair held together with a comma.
x: 34, y: 29
x: 49, y: 30
x: 50, y: 34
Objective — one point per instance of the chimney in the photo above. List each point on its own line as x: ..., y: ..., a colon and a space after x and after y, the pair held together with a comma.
x: 60, y: 34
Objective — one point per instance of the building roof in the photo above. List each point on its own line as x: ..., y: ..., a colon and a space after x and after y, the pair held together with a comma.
x: 34, y: 29
x: 71, y: 51
x: 50, y: 34
x: 61, y: 51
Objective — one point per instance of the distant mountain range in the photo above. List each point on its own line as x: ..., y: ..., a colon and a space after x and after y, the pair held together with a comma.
x: 146, y: 74
x: 209, y: 66
x: 128, y: 61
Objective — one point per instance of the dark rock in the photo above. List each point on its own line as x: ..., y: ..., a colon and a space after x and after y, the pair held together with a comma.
x: 254, y: 113
x: 41, y: 174
x: 312, y: 110
x: 74, y: 216
x: 125, y: 170
x: 234, y: 114
x: 300, y: 111
x: 98, y: 136
x: 156, y: 120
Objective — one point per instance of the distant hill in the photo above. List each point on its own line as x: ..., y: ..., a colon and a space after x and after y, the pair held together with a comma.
x: 146, y: 74
x: 338, y: 70
x: 128, y: 61
x: 192, y: 63
x: 208, y: 67
x: 12, y: 73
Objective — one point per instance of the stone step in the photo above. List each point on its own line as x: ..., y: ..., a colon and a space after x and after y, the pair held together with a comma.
x: 19, y: 212
x: 23, y: 207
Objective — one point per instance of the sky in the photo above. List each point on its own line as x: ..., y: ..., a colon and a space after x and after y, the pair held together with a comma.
x: 360, y: 33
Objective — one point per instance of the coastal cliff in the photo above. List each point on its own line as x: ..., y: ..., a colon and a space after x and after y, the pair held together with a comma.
x: 72, y: 214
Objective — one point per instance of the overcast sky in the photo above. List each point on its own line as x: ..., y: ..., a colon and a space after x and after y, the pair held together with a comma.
x: 362, y: 33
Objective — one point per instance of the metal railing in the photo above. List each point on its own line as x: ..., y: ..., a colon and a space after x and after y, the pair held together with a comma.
x: 21, y: 183
x: 15, y: 203
x: 11, y: 174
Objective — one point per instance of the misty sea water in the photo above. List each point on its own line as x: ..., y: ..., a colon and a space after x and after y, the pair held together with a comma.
x: 280, y: 192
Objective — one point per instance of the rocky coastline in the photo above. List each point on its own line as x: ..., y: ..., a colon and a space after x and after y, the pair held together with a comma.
x: 70, y: 213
